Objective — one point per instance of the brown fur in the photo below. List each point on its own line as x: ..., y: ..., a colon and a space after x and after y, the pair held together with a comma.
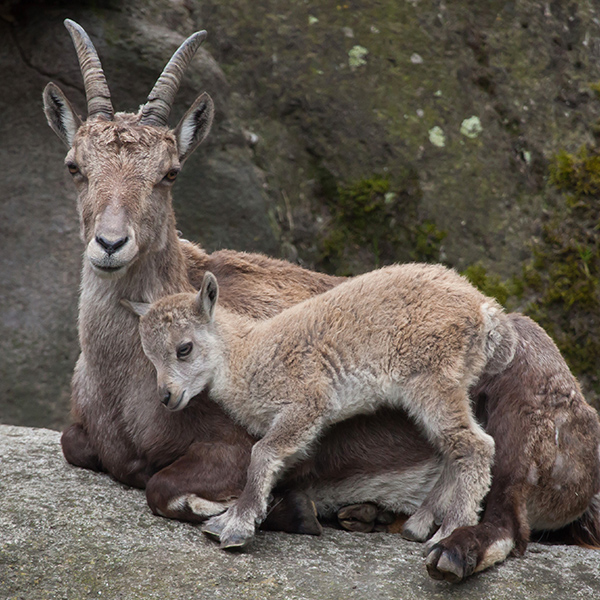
x: 546, y: 472
x: 119, y: 426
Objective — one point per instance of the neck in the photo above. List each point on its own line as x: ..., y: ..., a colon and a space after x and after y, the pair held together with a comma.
x: 154, y: 274
x: 232, y: 330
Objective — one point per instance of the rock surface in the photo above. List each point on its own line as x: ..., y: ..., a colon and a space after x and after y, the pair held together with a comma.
x: 462, y: 105
x: 67, y: 533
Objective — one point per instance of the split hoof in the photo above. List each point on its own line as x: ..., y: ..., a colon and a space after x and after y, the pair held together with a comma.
x: 214, y: 527
x: 356, y: 526
x: 366, y: 513
x: 293, y: 512
x: 235, y: 541
x: 447, y: 565
x: 358, y: 518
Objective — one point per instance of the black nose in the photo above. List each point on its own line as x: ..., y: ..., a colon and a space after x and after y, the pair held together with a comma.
x: 166, y: 397
x: 109, y: 246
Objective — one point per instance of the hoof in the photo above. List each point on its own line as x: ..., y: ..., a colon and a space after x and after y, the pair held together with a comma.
x: 420, y: 527
x: 234, y: 541
x: 293, y: 512
x: 442, y: 564
x: 213, y: 527
x: 356, y: 526
x: 411, y: 536
x: 359, y: 518
x: 366, y: 513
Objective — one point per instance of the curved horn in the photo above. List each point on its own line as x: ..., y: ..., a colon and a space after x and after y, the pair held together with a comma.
x: 96, y: 88
x: 157, y: 108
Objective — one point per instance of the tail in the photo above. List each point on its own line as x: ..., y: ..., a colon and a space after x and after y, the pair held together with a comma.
x: 584, y: 531
x: 501, y: 338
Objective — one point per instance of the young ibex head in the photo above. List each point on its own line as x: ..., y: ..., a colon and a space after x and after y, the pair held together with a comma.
x: 124, y: 164
x: 179, y: 337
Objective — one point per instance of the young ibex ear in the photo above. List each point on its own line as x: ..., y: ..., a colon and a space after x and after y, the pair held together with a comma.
x: 207, y: 297
x: 194, y: 125
x: 137, y: 308
x: 60, y: 114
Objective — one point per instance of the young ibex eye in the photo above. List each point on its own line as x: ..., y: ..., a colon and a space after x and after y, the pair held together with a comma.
x: 172, y: 175
x: 73, y: 168
x: 184, y: 350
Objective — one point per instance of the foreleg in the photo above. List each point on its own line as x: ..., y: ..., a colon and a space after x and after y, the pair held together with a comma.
x: 209, y: 478
x: 78, y: 449
x: 290, y: 434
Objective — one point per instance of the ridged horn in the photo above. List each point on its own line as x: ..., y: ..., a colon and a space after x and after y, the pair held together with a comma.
x: 160, y: 100
x: 96, y: 88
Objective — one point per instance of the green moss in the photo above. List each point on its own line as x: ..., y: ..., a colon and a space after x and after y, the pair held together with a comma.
x: 373, y: 222
x: 564, y: 276
x: 595, y: 87
x: 560, y: 285
x: 578, y: 174
x: 492, y: 285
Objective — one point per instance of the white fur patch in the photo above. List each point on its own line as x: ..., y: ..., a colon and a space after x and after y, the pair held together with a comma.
x: 69, y: 124
x: 397, y: 491
x: 186, y: 134
x: 497, y: 552
x: 206, y: 508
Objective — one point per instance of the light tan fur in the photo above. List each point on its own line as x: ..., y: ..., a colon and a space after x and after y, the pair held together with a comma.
x: 412, y: 336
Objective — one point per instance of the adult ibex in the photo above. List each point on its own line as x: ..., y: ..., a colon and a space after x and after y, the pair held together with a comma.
x: 193, y: 463
x: 411, y: 336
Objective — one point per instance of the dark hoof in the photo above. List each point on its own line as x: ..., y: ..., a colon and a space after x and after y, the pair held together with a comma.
x: 234, y: 542
x: 386, y: 517
x: 356, y: 526
x: 359, y: 518
x: 213, y: 529
x: 365, y: 513
x: 443, y: 564
x: 293, y: 512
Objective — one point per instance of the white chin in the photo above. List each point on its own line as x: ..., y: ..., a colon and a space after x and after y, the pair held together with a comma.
x: 180, y: 403
x: 109, y: 272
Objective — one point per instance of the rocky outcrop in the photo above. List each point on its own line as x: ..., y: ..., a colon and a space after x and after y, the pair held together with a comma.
x: 452, y: 110
x: 70, y: 533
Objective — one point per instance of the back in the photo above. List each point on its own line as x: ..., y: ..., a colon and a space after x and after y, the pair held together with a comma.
x: 408, y: 317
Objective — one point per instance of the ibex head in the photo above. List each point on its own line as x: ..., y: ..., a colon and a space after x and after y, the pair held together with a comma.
x: 123, y: 164
x: 180, y: 338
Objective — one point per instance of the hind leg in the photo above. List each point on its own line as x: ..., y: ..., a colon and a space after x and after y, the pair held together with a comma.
x: 544, y: 477
x: 503, y: 529
x: 468, y: 452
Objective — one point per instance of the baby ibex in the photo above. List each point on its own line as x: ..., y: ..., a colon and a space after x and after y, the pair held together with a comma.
x: 411, y: 336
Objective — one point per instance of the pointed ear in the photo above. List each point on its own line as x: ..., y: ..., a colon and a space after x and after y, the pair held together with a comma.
x: 60, y: 114
x: 207, y: 297
x: 137, y: 308
x: 194, y: 125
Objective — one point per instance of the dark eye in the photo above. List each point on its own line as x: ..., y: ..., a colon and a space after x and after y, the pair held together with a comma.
x: 184, y: 350
x: 172, y: 175
x: 73, y: 168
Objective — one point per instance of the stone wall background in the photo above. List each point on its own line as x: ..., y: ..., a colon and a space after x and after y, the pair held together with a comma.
x: 451, y: 112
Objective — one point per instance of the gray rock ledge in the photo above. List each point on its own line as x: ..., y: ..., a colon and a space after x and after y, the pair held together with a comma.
x: 67, y: 533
